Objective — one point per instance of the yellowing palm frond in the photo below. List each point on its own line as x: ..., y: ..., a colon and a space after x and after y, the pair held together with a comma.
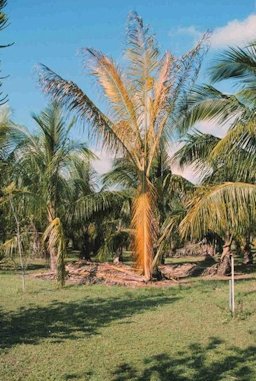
x: 68, y: 94
x: 115, y: 87
x: 162, y: 86
x: 142, y: 52
x: 143, y: 232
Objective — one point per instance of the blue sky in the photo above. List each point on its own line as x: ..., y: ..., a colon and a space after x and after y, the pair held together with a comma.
x: 53, y: 31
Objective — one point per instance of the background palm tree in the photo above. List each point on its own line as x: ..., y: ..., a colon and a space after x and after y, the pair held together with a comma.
x: 43, y: 165
x: 145, y: 103
x: 226, y: 202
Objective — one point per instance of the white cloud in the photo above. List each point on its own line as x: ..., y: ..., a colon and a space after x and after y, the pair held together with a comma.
x: 236, y: 32
x: 191, y: 31
x: 214, y: 128
x: 188, y: 172
x: 104, y: 162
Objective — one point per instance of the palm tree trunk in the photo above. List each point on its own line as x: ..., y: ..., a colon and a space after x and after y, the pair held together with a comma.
x: 36, y: 244
x: 248, y: 257
x: 143, y: 234
x: 224, y: 267
x: 52, y: 250
x: 118, y: 256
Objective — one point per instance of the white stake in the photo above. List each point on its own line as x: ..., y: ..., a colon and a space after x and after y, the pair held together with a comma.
x: 232, y: 286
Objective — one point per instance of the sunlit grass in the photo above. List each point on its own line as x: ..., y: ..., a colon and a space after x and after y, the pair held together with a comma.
x: 114, y: 333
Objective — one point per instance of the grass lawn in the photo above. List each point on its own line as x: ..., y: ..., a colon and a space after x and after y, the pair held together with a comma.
x: 112, y: 333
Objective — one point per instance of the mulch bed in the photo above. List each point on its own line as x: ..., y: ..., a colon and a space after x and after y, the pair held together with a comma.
x: 83, y: 272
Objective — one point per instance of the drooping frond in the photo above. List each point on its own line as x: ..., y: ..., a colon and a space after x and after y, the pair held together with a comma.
x: 238, y: 150
x: 207, y: 103
x: 9, y: 247
x: 68, y: 94
x: 241, y: 137
x: 221, y: 208
x: 123, y: 174
x: 142, y: 222
x: 196, y: 150
x: 71, y: 96
x: 86, y: 206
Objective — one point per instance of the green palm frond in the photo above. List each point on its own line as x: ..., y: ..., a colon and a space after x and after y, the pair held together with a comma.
x: 241, y: 137
x: 123, y: 174
x: 196, y: 150
x: 207, y: 103
x: 221, y: 208
x: 96, y: 202
x: 237, y: 63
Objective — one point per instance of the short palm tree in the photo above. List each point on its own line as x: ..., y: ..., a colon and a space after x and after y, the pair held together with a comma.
x: 144, y: 105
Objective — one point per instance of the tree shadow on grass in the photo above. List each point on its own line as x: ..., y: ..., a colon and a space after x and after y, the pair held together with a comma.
x: 60, y: 321
x: 199, y: 363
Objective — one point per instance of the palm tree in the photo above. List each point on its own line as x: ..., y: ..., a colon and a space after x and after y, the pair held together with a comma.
x: 42, y: 165
x: 82, y: 184
x: 9, y: 139
x: 226, y: 202
x: 144, y: 105
x: 170, y: 190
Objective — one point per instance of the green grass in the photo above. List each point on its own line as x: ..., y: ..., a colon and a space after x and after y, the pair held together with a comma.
x: 115, y: 334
